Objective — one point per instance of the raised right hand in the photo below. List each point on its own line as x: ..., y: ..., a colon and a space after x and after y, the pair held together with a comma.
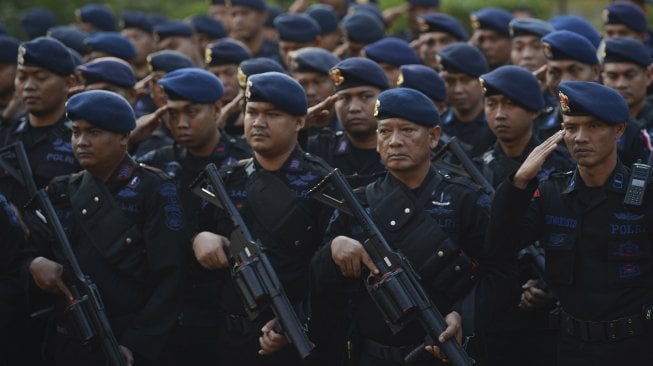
x: 533, y: 163
x: 348, y: 254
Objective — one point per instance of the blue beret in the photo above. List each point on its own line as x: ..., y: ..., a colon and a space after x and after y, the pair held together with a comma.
x: 358, y: 71
x: 586, y: 98
x: 8, y: 49
x: 296, y: 28
x: 112, y: 43
x: 392, y: 50
x: 278, y: 89
x: 257, y: 65
x: 193, y: 84
x: 173, y: 28
x: 103, y: 109
x: 99, y: 15
x: 70, y: 36
x: 325, y: 16
x: 516, y: 84
x: 37, y: 21
x: 529, y: 26
x: 108, y: 69
x: 463, y: 58
x: 258, y: 5
x: 425, y: 3
x: 136, y: 19
x: 226, y: 51
x: 626, y: 50
x: 77, y: 58
x: 567, y: 45
x: 424, y: 79
x: 492, y: 18
x: 627, y: 14
x: 47, y: 53
x: 578, y: 25
x: 167, y: 61
x: 369, y: 8
x: 273, y: 13
x: 438, y: 22
x: 313, y: 59
x: 208, y: 25
x: 156, y: 19
x: 408, y: 104
x: 363, y: 27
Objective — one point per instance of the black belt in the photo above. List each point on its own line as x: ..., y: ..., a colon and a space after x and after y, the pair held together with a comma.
x: 394, y: 354
x: 602, y: 331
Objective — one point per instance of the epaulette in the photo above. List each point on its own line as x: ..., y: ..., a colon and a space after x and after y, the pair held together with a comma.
x: 488, y: 156
x: 156, y: 171
x: 560, y: 175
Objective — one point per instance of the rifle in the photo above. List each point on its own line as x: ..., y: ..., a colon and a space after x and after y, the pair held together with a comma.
x: 468, y: 168
x: 255, y: 278
x: 396, y: 290
x: 86, y: 307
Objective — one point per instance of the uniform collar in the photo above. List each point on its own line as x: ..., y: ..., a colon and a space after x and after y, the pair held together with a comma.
x: 294, y: 162
x: 616, y: 183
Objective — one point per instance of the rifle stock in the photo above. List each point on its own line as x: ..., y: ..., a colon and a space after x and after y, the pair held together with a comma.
x: 256, y: 280
x: 396, y: 290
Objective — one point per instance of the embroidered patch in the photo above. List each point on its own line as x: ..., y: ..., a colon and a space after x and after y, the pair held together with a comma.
x: 628, y: 249
x: 125, y: 171
x: 127, y: 193
x: 60, y: 145
x: 629, y: 270
x: 173, y: 214
x: 628, y: 216
x: 556, y: 240
x: 618, y: 181
x: 172, y: 168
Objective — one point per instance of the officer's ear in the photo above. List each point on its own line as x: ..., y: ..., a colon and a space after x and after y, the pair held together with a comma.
x: 620, y: 129
x: 434, y: 136
x: 648, y: 72
x: 217, y: 109
x: 301, y: 121
x: 124, y: 139
x: 596, y: 71
x: 71, y: 82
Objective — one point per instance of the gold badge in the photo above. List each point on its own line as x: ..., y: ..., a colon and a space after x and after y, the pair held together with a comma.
x: 423, y: 25
x: 21, y: 55
x: 473, y: 19
x: 400, y: 79
x: 336, y: 77
x: 511, y: 30
x: 564, y: 102
x: 605, y: 15
x: 483, y: 85
x: 248, y: 91
x: 208, y: 55
x: 78, y: 15
x: 150, y: 68
x: 242, y: 78
x: 377, y: 105
x: 438, y: 63
x: 547, y: 50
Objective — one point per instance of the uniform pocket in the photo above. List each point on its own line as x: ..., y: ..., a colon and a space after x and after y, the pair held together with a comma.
x: 560, y: 253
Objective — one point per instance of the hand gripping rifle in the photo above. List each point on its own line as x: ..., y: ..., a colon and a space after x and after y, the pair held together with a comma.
x: 255, y: 278
x: 86, y: 307
x: 396, y: 290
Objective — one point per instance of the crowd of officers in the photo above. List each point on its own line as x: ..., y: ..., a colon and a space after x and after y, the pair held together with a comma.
x: 117, y: 123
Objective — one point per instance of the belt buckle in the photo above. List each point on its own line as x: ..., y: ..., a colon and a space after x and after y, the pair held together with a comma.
x: 596, y: 331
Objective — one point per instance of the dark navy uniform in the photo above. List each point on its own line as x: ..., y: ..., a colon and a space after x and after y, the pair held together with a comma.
x: 128, y: 235
x: 290, y: 227
x: 598, y: 256
x: 360, y: 165
x: 48, y: 151
x: 411, y: 221
x: 200, y: 313
x: 475, y: 136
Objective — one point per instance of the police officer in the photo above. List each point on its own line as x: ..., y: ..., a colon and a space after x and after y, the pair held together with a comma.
x: 247, y: 20
x: 95, y: 18
x: 193, y: 107
x: 330, y: 32
x: 572, y: 57
x: 436, y: 32
x: 463, y: 64
x: 178, y: 36
x: 358, y: 82
x: 295, y: 31
x: 270, y: 193
x: 361, y: 28
x: 391, y: 53
x: 207, y: 30
x: 110, y: 74
x: 492, y: 35
x: 406, y: 204
x: 426, y: 80
x: 596, y: 245
x: 126, y: 227
x: 137, y: 27
x: 514, y: 336
x: 103, y: 44
x: 624, y: 20
x: 626, y: 69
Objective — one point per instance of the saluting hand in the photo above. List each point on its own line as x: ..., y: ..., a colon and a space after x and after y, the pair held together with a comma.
x: 348, y: 254
x: 533, y: 163
x: 211, y: 250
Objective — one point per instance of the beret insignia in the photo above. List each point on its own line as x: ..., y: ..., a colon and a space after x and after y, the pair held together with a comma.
x: 21, y: 55
x: 547, y: 50
x: 208, y: 55
x: 564, y: 102
x: 242, y: 78
x: 473, y: 19
x: 400, y: 79
x: 336, y: 77
x: 377, y: 105
x: 423, y: 25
